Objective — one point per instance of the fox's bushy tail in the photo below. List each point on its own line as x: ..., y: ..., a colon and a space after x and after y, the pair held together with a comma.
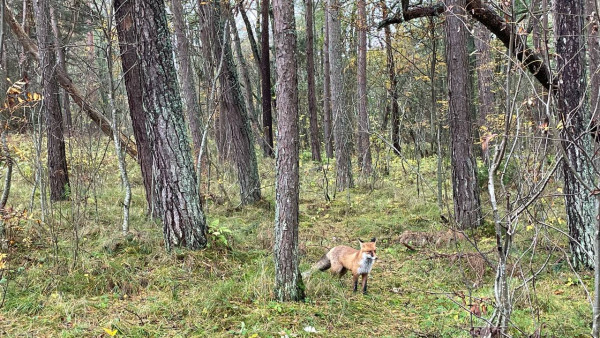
x: 323, y: 264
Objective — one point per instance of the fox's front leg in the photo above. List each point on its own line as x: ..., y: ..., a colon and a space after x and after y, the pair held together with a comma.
x: 355, y: 282
x: 364, y: 284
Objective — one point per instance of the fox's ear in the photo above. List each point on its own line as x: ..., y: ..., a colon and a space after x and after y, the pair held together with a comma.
x: 360, y: 241
x: 373, y: 239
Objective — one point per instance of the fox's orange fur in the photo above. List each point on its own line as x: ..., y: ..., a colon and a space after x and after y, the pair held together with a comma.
x: 342, y: 258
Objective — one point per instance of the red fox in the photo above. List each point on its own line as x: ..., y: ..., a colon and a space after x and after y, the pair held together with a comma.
x: 342, y: 258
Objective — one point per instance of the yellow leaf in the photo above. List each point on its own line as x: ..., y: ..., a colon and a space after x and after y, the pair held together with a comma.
x: 20, y: 100
x: 110, y: 332
x: 529, y: 227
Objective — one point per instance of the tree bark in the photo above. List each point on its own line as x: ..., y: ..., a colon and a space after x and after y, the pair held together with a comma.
x: 62, y: 60
x: 234, y: 118
x: 315, y: 140
x: 593, y: 41
x: 485, y: 73
x: 288, y: 280
x: 128, y: 45
x: 578, y: 172
x: 173, y: 170
x: 57, y: 160
x: 392, y: 106
x: 186, y: 75
x: 327, y: 126
x: 265, y: 71
x: 342, y: 133
x: 467, y: 210
x: 364, y: 147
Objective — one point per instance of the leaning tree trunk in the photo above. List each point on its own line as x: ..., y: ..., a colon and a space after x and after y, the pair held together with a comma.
x: 342, y: 133
x: 364, y: 148
x: 233, y: 112
x: 186, y: 74
x: 124, y: 13
x: 173, y: 170
x: 57, y: 160
x: 467, y: 210
x: 315, y: 140
x: 577, y: 143
x: 288, y: 281
x: 265, y: 71
x: 327, y: 128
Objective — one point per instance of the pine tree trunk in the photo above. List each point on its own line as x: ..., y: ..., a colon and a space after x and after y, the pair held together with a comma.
x: 364, y: 148
x: 342, y: 133
x: 467, y: 210
x: 265, y: 70
x: 327, y: 126
x: 234, y: 118
x: 173, y: 170
x: 581, y: 207
x: 130, y: 63
x: 186, y: 74
x: 315, y: 140
x: 485, y: 73
x: 57, y: 160
x: 288, y: 281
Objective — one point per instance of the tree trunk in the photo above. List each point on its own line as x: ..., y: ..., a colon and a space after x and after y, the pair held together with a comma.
x: 315, y: 140
x: 393, y: 91
x: 467, y: 210
x: 60, y: 52
x: 124, y: 14
x: 593, y: 40
x: 173, y: 170
x: 327, y: 127
x: 234, y: 118
x: 186, y: 75
x: 57, y: 160
x: 265, y: 71
x: 288, y: 281
x: 577, y: 143
x: 485, y: 73
x: 364, y: 148
x: 342, y: 133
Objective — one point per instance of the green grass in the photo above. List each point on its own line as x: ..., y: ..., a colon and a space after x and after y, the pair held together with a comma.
x: 133, y: 286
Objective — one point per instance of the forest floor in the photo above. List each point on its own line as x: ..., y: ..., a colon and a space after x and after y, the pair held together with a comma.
x: 75, y: 275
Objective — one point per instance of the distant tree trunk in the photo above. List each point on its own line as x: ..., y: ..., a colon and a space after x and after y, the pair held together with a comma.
x: 57, y: 160
x: 186, y: 75
x: 315, y: 140
x: 61, y: 53
x: 577, y: 170
x: 485, y: 73
x: 173, y: 169
x: 243, y: 70
x: 593, y: 40
x: 467, y: 210
x: 327, y: 126
x: 250, y: 32
x: 341, y: 118
x: 393, y: 91
x: 128, y: 45
x: 233, y: 112
x: 364, y: 148
x: 265, y: 70
x: 288, y: 281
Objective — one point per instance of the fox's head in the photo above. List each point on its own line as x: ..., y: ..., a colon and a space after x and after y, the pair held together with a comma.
x: 369, y: 248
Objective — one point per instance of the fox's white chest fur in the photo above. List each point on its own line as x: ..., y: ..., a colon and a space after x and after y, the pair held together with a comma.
x: 365, y: 264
